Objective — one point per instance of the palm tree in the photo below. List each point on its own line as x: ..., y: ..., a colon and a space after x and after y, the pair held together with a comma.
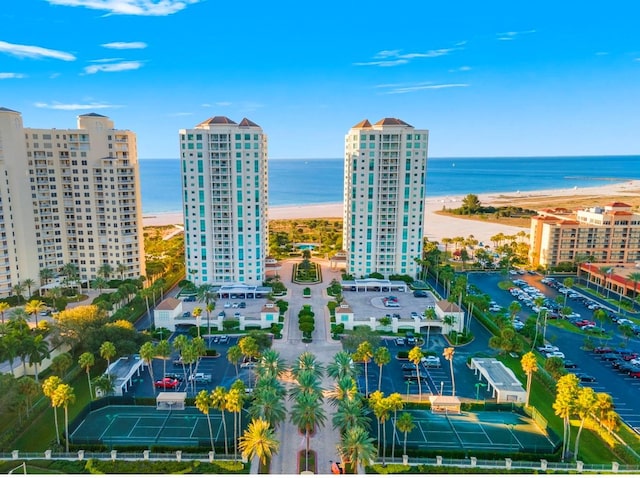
x: 203, y: 403
x: 429, y: 315
x: 448, y: 354
x: 267, y: 404
x: 61, y: 363
x: 147, y: 352
x: 121, y: 269
x: 86, y: 361
x: 364, y: 353
x: 381, y: 356
x: 568, y: 283
x: 307, y: 414
x: 395, y: 404
x: 63, y: 396
x: 405, y: 425
x: 307, y: 361
x: 382, y: 410
x: 34, y: 307
x: 49, y: 386
x: 349, y: 414
x: 234, y: 354
x: 28, y: 283
x: 18, y: 290
x: 635, y: 278
x: 345, y: 389
x: 586, y: 404
x: 105, y: 270
x: 259, y: 440
x: 105, y: 384
x: 45, y: 276
x: 566, y: 393
x: 307, y: 382
x: 99, y: 283
x: 219, y: 402
x: 270, y: 364
x: 163, y: 350
x: 107, y: 352
x: 529, y: 365
x: 341, y: 366
x: 197, y: 312
x: 415, y: 356
x: 4, y: 306
x: 37, y: 349
x: 357, y: 446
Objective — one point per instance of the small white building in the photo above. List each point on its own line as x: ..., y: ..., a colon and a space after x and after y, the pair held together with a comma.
x: 166, y: 313
x: 501, y: 381
x: 445, y: 308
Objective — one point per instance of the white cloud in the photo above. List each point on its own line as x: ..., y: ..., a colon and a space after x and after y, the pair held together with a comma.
x: 122, y: 45
x: 130, y: 7
x: 75, y: 106
x: 112, y: 67
x: 106, y: 60
x: 386, y: 58
x: 508, y: 36
x: 394, y: 89
x: 462, y: 68
x: 7, y: 76
x: 218, y: 103
x: 36, y: 52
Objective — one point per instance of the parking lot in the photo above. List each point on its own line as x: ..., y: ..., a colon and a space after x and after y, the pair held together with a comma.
x: 221, y: 371
x: 595, y: 371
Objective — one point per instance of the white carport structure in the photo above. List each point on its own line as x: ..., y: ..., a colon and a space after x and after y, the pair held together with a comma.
x: 501, y: 381
x: 123, y: 371
x: 171, y: 400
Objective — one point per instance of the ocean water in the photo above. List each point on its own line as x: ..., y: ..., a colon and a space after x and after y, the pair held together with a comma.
x: 320, y: 181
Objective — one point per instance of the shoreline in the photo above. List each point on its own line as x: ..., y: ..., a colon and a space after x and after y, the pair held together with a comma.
x: 438, y: 226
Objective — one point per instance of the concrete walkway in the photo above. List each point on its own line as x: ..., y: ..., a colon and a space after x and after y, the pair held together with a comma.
x: 326, y: 439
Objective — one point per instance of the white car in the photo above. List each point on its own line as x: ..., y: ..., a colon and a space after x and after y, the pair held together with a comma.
x: 200, y: 377
x: 548, y: 348
x: 430, y: 361
x: 557, y: 354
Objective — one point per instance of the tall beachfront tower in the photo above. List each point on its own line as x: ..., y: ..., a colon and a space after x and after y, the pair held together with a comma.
x: 384, y: 188
x: 68, y: 196
x: 224, y: 186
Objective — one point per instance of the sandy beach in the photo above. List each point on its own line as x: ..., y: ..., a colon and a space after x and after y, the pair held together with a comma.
x: 437, y: 226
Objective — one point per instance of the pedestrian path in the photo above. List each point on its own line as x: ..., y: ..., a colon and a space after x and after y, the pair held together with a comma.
x: 325, y: 440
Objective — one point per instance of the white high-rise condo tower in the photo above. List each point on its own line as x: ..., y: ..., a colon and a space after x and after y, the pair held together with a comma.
x: 224, y: 185
x: 384, y: 188
x: 68, y: 196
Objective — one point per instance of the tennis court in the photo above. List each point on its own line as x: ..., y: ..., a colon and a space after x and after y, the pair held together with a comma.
x: 481, y: 431
x: 142, y: 425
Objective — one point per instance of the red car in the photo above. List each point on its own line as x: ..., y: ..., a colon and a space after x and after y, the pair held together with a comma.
x: 635, y: 373
x: 167, y: 382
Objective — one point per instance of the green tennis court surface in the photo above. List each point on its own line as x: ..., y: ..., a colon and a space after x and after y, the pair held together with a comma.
x: 141, y: 425
x: 497, y: 431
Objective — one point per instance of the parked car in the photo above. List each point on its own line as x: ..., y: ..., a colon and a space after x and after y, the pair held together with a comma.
x: 200, y: 377
x: 569, y: 364
x: 167, y: 383
x: 420, y: 293
x: 635, y: 372
x: 583, y: 377
x: 174, y: 376
x: 224, y: 339
x: 431, y: 361
x: 556, y: 353
x: 248, y: 362
x: 602, y: 350
x: 543, y: 349
x: 400, y: 341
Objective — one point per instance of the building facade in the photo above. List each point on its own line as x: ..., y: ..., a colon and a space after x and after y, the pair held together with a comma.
x: 224, y: 185
x: 609, y: 235
x: 68, y: 196
x: 384, y: 188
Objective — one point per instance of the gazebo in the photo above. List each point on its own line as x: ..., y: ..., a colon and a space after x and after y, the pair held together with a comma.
x: 171, y: 400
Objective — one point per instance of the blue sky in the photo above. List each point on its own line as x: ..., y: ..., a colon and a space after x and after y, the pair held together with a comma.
x: 493, y: 78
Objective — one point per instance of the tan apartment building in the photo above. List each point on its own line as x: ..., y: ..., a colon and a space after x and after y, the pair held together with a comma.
x: 68, y: 196
x: 605, y: 234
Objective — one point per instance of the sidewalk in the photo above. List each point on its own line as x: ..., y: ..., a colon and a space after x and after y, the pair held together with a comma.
x: 325, y: 440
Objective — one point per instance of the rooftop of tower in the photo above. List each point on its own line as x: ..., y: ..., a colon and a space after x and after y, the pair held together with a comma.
x: 7, y: 110
x: 383, y: 122
x: 95, y: 115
